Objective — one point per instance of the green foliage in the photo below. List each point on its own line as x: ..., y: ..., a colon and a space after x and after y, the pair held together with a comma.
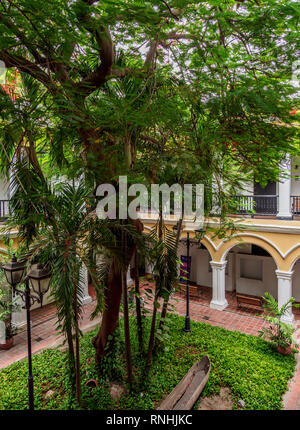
x: 279, y: 333
x: 246, y: 364
x: 164, y: 258
x: 8, y: 305
x: 131, y: 87
x: 111, y: 365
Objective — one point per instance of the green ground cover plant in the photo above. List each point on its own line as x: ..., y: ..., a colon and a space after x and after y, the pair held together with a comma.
x: 247, y: 364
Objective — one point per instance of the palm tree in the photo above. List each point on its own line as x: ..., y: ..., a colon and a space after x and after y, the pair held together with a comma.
x: 53, y: 225
x: 165, y: 270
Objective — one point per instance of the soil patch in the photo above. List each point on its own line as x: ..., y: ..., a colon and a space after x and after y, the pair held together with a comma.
x: 221, y: 401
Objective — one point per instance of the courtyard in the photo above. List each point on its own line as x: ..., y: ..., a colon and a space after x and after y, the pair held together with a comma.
x: 246, y: 319
x: 149, y: 206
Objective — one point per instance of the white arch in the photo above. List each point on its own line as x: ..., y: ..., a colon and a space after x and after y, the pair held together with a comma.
x: 223, y: 258
x: 294, y: 262
x: 252, y: 235
x: 292, y: 249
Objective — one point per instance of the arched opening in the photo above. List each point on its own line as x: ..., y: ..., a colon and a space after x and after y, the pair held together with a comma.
x: 251, y: 271
x: 200, y: 270
x: 200, y: 259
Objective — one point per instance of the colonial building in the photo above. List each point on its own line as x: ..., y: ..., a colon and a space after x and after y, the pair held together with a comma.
x: 262, y: 255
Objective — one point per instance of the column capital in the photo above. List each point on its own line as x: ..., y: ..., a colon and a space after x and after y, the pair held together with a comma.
x: 284, y: 275
x: 218, y: 264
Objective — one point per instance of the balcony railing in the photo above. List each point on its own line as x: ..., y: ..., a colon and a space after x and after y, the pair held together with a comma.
x: 295, y: 205
x: 256, y: 205
x: 244, y: 205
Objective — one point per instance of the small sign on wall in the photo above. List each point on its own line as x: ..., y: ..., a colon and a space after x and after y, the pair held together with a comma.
x: 185, y: 268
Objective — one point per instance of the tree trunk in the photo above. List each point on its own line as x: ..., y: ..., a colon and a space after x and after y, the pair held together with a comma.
x: 126, y: 329
x: 71, y: 355
x: 155, y: 306
x: 110, y: 318
x: 138, y: 301
x: 77, y: 352
x: 166, y: 301
x: 152, y: 336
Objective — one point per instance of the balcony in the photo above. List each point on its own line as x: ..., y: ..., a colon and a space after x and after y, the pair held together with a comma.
x: 253, y: 205
x: 295, y: 205
x: 256, y: 205
x: 266, y: 205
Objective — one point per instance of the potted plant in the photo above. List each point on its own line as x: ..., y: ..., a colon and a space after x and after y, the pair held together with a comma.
x: 279, y: 333
x: 10, y: 331
x: 7, y: 307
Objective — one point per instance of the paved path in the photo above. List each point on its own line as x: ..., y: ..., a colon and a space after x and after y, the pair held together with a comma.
x: 43, y: 333
x: 249, y: 324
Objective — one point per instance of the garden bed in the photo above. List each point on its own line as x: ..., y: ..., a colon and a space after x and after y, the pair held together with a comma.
x: 245, y: 364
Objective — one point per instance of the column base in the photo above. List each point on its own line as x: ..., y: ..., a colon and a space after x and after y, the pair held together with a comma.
x: 286, y: 217
x: 86, y: 300
x: 220, y: 306
x: 18, y: 325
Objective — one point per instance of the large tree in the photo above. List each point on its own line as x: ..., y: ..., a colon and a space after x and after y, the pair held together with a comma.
x: 130, y: 87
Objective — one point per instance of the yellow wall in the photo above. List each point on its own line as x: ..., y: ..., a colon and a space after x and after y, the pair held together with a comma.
x: 283, y: 244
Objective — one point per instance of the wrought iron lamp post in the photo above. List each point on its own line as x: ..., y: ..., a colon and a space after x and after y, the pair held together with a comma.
x: 39, y: 279
x: 187, y: 327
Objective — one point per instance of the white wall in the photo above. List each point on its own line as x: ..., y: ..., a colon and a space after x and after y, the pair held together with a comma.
x: 254, y: 266
x: 201, y: 272
x: 4, y: 187
x: 247, y: 189
x: 295, y: 182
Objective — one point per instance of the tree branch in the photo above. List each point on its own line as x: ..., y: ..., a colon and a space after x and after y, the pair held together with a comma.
x: 26, y: 66
x: 98, y: 77
x: 174, y: 15
x: 22, y: 38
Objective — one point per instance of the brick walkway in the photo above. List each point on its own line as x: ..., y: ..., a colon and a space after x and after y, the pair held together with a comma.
x: 43, y: 333
x: 246, y: 320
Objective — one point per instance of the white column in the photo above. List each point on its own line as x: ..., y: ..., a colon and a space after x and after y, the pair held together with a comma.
x: 284, y: 190
x: 285, y: 293
x: 218, y: 284
x: 128, y: 277
x: 148, y: 267
x: 18, y: 319
x: 85, y: 285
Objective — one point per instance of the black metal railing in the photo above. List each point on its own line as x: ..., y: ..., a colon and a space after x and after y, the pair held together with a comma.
x: 4, y: 209
x: 256, y: 205
x: 295, y: 205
